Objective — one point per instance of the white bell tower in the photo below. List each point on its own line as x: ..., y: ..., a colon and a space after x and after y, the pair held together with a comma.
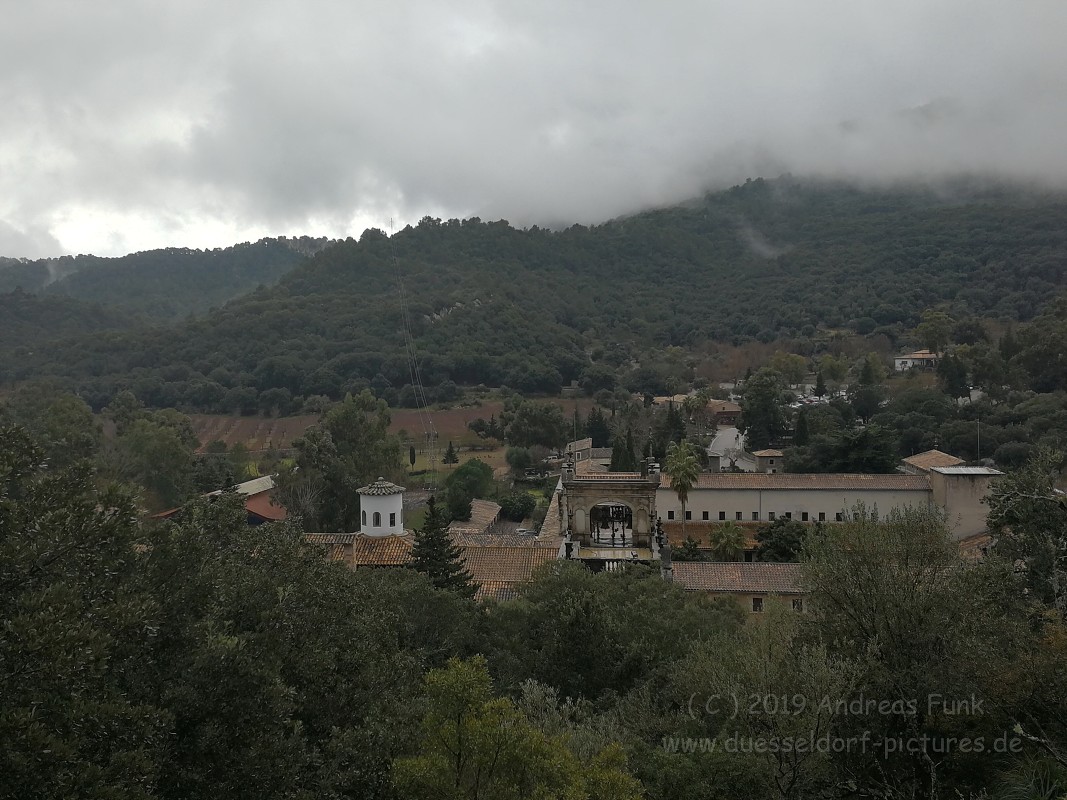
x: 381, y: 509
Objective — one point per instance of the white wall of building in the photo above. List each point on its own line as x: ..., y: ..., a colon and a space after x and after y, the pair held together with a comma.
x: 381, y: 515
x: 759, y: 504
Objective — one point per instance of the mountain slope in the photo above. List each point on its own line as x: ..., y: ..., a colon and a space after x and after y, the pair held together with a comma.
x: 534, y: 308
x: 162, y: 284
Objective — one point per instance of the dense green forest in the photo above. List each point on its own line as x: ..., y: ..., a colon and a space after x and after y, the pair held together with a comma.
x: 536, y: 309
x: 160, y: 284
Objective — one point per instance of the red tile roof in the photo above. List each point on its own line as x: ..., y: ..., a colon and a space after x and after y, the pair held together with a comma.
x: 512, y: 565
x: 261, y: 505
x: 499, y: 568
x: 484, y: 513
x: 723, y: 407
x: 739, y: 577
x: 785, y: 480
x: 932, y: 458
x: 381, y: 551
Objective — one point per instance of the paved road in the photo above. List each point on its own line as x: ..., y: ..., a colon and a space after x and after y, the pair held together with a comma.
x: 728, y: 440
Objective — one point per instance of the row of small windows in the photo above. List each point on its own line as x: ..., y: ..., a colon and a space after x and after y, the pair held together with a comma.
x: 771, y: 515
x: 377, y: 519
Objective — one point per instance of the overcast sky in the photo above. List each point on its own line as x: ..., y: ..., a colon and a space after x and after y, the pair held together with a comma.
x: 140, y: 124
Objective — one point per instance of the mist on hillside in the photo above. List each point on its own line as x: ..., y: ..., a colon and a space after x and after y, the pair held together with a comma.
x: 129, y: 128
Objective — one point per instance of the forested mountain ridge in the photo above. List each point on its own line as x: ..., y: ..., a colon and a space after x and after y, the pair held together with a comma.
x: 534, y: 308
x: 163, y: 284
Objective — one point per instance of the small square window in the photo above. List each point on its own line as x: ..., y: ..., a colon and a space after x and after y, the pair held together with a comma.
x: 737, y: 516
x: 788, y: 514
x: 798, y: 605
x: 771, y: 461
x: 722, y: 515
x: 688, y: 515
x: 822, y: 516
x: 670, y: 515
x: 839, y: 517
x: 804, y: 516
x: 757, y: 604
x: 770, y: 515
x: 755, y: 516
x: 706, y: 516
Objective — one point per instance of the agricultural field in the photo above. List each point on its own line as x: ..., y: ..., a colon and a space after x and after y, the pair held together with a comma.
x: 451, y: 424
x: 255, y: 433
x: 263, y: 433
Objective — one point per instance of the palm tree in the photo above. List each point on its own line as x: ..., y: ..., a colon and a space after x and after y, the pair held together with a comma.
x: 683, y: 468
x: 727, y: 541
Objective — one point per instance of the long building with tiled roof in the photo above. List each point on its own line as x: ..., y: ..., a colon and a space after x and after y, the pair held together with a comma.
x: 807, y: 481
x: 817, y: 497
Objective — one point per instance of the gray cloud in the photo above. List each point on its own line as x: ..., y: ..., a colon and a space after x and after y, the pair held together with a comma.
x: 131, y: 124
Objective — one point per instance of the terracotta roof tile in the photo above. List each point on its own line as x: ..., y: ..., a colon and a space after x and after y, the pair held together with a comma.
x: 261, y: 505
x: 330, y: 538
x: 785, y: 480
x: 496, y: 590
x: 739, y: 577
x: 932, y: 458
x: 509, y: 564
x: 380, y: 488
x: 723, y: 407
x: 464, y: 539
x: 381, y: 551
x: 769, y: 452
x: 483, y: 514
x: 498, y: 568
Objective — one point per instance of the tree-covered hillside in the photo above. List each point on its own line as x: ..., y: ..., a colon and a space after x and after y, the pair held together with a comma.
x: 162, y: 284
x: 29, y: 320
x: 534, y: 308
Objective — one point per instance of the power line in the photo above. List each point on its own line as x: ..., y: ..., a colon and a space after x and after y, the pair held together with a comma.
x: 429, y: 432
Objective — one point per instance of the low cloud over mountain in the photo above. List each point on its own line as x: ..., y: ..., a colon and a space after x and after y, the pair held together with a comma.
x: 129, y: 125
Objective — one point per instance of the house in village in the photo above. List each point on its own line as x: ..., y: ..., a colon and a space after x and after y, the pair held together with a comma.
x: 755, y: 586
x: 920, y: 359
x: 727, y: 413
x: 258, y: 496
x: 922, y: 463
x: 769, y: 460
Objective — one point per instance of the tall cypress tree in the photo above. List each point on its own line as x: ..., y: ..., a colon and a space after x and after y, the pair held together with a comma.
x: 820, y: 385
x: 801, y: 433
x: 631, y: 460
x: 435, y: 555
x: 596, y: 428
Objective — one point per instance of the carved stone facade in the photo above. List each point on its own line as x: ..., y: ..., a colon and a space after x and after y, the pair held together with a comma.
x: 581, y: 493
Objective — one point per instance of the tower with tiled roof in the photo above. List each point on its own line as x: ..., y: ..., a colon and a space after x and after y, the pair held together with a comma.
x: 381, y: 508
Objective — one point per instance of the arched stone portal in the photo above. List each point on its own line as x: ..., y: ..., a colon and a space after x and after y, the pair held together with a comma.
x: 594, y: 503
